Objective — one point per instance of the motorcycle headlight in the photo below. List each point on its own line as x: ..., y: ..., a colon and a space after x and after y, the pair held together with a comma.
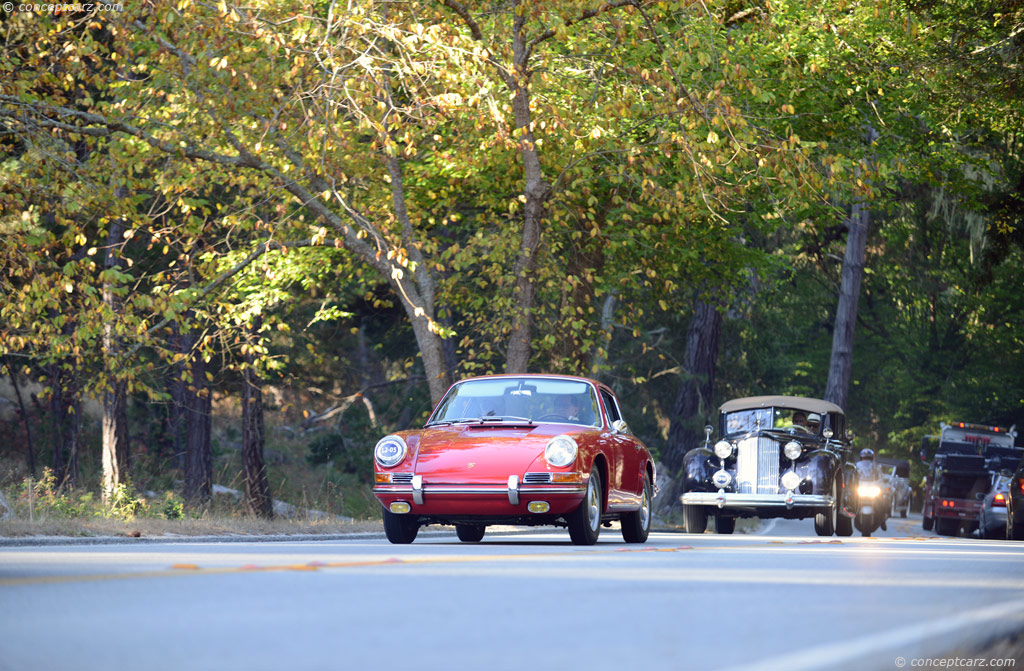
x: 869, y: 491
x: 390, y: 451
x: 561, y: 451
x: 723, y: 449
x: 792, y: 450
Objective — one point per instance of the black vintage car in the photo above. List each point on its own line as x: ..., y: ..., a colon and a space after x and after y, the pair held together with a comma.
x: 778, y: 456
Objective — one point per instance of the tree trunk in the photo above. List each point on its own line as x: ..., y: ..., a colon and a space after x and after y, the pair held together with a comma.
x: 176, y: 416
x: 536, y: 191
x: 56, y: 407
x: 841, y: 364
x: 198, y: 457
x: 65, y: 419
x: 693, y: 407
x: 116, y: 454
x: 31, y: 457
x: 258, y: 501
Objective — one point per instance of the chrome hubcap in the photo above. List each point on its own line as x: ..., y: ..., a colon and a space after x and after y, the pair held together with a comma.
x: 645, y: 508
x: 593, y: 505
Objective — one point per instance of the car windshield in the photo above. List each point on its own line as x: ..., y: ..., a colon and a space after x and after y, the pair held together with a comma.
x: 757, y: 419
x: 513, y: 399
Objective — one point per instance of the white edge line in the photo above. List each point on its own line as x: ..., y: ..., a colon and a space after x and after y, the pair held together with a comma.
x: 834, y: 655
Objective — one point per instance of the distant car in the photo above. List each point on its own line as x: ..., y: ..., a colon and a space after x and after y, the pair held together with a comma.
x: 1015, y: 505
x: 778, y: 456
x: 517, y: 450
x: 897, y: 475
x: 992, y: 519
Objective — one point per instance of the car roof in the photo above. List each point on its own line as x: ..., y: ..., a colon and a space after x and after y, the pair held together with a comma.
x: 795, y: 402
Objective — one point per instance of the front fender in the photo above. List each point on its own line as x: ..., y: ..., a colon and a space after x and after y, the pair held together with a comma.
x: 697, y: 470
x: 821, y: 468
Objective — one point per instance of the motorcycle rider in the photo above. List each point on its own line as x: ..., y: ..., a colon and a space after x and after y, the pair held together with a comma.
x: 868, y: 470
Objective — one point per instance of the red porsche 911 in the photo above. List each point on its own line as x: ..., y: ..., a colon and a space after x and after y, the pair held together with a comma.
x: 517, y: 450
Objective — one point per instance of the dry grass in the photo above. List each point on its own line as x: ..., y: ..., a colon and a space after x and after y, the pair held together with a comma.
x: 155, y: 527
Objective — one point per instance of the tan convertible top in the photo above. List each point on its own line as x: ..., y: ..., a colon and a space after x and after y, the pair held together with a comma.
x: 808, y: 404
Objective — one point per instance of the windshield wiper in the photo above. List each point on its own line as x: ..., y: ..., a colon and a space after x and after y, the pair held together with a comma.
x: 480, y: 420
x: 506, y: 418
x: 460, y: 420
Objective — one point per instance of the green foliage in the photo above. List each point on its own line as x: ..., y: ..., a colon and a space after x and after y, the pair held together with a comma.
x: 124, y: 503
x: 173, y: 507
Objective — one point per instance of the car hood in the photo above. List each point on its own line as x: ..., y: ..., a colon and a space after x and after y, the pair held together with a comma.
x: 482, y: 453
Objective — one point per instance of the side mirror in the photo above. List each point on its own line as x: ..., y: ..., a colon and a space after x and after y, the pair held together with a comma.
x: 620, y: 426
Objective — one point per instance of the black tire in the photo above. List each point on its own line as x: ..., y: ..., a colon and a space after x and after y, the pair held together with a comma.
x: 470, y: 533
x: 695, y: 519
x: 636, y: 526
x: 400, y: 529
x: 725, y: 525
x: 825, y: 524
x: 585, y: 521
x: 927, y: 523
x: 946, y: 527
x: 1014, y: 532
x: 844, y: 525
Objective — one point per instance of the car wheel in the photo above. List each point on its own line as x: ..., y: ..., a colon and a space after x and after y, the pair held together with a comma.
x: 470, y: 533
x: 825, y: 523
x: 695, y: 519
x: 585, y: 521
x: 725, y: 525
x: 927, y: 523
x: 400, y: 529
x: 844, y: 525
x: 636, y: 526
x: 1015, y: 532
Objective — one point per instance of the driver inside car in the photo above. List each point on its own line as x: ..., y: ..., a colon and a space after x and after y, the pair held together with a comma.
x: 568, y: 406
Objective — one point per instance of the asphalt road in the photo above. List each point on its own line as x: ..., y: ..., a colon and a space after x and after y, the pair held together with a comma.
x: 780, y: 598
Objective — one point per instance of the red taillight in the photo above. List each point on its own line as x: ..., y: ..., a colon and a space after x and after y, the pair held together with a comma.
x: 999, y: 500
x: 1020, y: 485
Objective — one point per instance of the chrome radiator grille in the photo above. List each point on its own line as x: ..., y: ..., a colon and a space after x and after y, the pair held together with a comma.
x: 757, y: 466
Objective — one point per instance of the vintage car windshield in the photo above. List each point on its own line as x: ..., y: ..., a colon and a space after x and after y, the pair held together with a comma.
x: 758, y: 419
x: 518, y: 399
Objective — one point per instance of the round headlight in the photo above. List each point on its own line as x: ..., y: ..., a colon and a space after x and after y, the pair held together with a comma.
x: 790, y: 480
x: 561, y: 451
x: 723, y: 449
x: 792, y: 450
x: 390, y: 451
x: 721, y: 479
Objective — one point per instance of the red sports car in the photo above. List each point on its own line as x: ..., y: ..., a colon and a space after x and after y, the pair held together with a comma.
x: 519, y: 450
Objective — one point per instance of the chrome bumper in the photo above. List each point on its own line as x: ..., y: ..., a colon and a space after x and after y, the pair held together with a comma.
x: 731, y: 500
x: 513, y: 490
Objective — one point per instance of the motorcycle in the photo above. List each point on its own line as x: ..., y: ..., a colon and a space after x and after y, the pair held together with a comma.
x: 871, y: 507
